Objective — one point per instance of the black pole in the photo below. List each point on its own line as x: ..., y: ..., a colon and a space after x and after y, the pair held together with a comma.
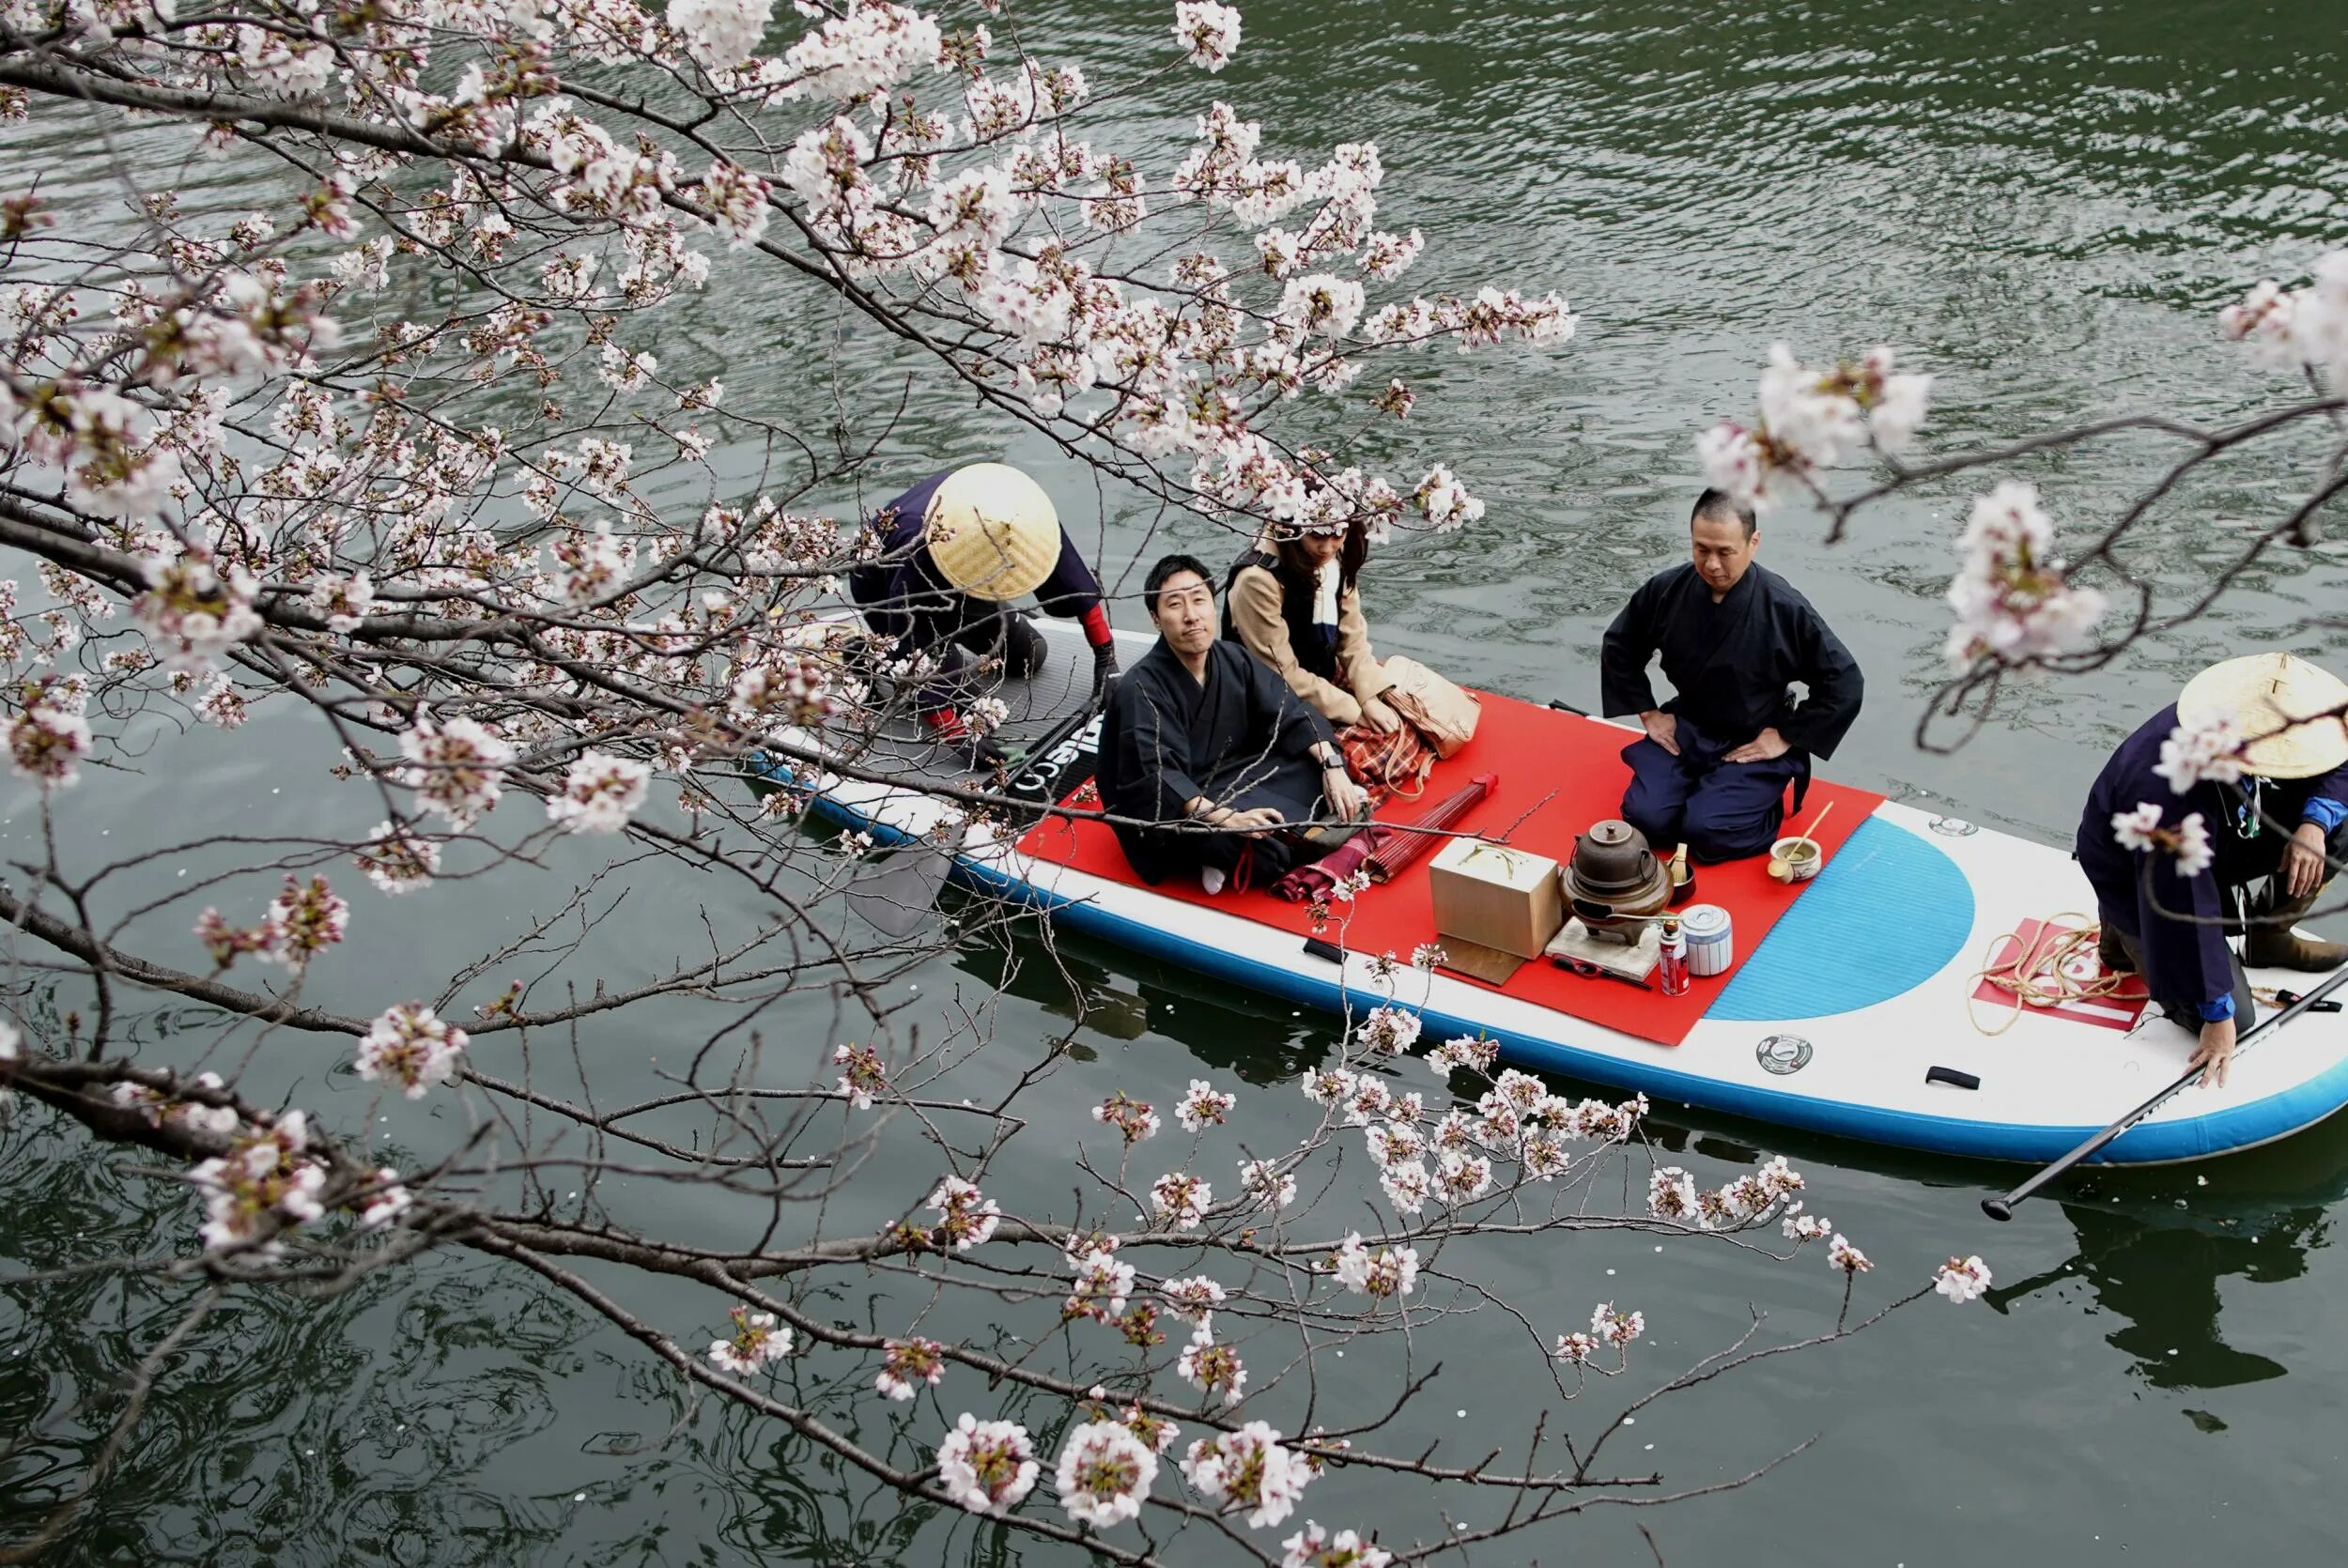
x: 2003, y: 1209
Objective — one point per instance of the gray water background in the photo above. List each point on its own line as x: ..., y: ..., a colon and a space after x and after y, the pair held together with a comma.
x: 2043, y: 204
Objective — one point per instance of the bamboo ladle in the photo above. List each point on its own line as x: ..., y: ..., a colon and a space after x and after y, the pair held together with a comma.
x: 1781, y: 870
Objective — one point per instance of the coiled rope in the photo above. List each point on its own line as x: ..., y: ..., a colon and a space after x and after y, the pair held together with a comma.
x: 2038, y: 973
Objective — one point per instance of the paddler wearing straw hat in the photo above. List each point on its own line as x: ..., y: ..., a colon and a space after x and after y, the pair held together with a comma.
x: 2279, y: 824
x: 954, y: 551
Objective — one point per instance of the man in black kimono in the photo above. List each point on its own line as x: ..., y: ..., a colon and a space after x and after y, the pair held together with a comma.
x: 1201, y: 732
x: 2282, y: 824
x: 1712, y: 769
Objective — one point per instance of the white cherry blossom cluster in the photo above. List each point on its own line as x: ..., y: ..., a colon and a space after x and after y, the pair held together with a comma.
x: 601, y: 793
x: 2297, y: 330
x: 1378, y: 1273
x: 966, y: 1217
x: 412, y: 1046
x: 2013, y: 601
x: 193, y: 611
x: 1316, y: 1548
x: 1809, y: 420
x: 1212, y: 1368
x: 909, y: 1364
x: 1181, y: 1200
x: 1962, y: 1279
x: 1105, y: 1474
x: 2208, y: 752
x: 1102, y: 1284
x: 164, y: 1109
x: 50, y: 737
x: 1248, y: 1472
x: 1203, y: 1106
x: 268, y: 1181
x: 987, y: 1467
x: 1267, y: 1183
x: 2141, y: 830
x: 862, y: 1075
x: 1133, y: 1118
x: 755, y: 1342
x: 397, y: 860
x: 456, y: 769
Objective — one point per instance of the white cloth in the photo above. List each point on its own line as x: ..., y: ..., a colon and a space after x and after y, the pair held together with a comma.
x: 1326, y: 587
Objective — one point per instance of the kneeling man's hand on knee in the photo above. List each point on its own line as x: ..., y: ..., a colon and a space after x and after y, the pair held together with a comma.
x: 1663, y: 728
x: 1765, y: 747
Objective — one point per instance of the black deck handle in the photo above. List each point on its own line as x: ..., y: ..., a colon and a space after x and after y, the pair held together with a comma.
x: 1320, y: 949
x: 1950, y: 1076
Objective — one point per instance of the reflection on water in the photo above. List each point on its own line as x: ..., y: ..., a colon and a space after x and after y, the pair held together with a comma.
x: 2161, y: 1281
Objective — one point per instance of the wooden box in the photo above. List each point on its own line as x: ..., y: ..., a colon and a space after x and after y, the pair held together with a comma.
x: 1496, y: 897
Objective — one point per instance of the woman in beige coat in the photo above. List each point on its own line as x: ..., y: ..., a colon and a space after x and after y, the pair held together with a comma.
x: 1292, y: 599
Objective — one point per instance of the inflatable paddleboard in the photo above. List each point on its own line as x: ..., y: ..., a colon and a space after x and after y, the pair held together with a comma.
x: 1856, y: 1004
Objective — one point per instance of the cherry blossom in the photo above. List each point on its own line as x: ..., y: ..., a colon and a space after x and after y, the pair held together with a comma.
x: 1101, y: 1286
x: 987, y: 1467
x: 1476, y: 1054
x: 1962, y: 1279
x: 907, y: 1363
x: 1207, y: 31
x: 1316, y: 1548
x: 756, y: 1341
x: 49, y: 740
x: 302, y: 922
x: 457, y: 769
x: 861, y: 1076
x: 2142, y: 829
x: 1181, y: 1200
x: 1212, y: 1368
x: 1131, y: 1117
x: 2209, y: 752
x: 1841, y: 1254
x: 1267, y: 1183
x: 1671, y: 1193
x: 195, y: 611
x: 1406, y: 1185
x: 1378, y: 1274
x: 1576, y: 1348
x: 600, y: 792
x: 2136, y: 830
x: 1248, y: 1470
x: 2012, y: 600
x: 412, y: 1047
x: 966, y: 1218
x: 1193, y: 1301
x: 1617, y: 1329
x: 1203, y: 1105
x: 1389, y: 1030
x: 397, y: 861
x: 1105, y: 1474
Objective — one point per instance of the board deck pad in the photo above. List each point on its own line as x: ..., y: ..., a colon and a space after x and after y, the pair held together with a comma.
x: 1559, y: 772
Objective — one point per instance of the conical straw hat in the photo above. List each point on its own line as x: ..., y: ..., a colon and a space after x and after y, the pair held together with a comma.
x: 2264, y: 694
x: 993, y: 531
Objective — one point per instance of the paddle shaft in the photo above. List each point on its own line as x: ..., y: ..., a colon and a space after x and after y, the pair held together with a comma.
x: 2003, y: 1209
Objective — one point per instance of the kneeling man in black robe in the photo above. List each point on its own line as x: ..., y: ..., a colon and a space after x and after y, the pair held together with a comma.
x: 1201, y: 733
x: 1712, y: 769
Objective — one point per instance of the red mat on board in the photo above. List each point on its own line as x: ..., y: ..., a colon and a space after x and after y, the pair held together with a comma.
x: 1537, y: 752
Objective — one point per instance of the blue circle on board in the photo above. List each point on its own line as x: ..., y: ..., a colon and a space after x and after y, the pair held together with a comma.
x: 1884, y: 916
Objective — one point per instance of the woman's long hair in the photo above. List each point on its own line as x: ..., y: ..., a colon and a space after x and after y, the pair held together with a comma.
x: 1297, y: 572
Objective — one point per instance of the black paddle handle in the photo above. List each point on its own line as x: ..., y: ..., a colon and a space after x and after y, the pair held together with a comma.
x: 2003, y: 1209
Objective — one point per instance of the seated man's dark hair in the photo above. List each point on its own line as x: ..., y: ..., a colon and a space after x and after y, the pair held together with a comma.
x: 1169, y: 566
x: 1720, y: 506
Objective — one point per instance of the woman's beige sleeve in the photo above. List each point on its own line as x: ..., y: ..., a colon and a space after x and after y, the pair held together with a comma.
x: 1256, y: 617
x: 1355, y: 659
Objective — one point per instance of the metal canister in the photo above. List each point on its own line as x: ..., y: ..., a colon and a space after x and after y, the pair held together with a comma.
x: 1711, y: 938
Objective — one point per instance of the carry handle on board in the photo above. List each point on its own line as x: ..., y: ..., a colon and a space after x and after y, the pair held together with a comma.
x: 2003, y: 1209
